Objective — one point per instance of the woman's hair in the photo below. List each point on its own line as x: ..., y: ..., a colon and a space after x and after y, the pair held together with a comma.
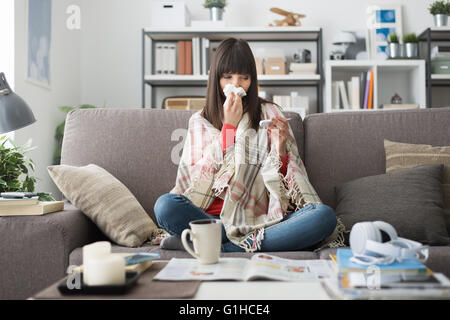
x: 232, y: 56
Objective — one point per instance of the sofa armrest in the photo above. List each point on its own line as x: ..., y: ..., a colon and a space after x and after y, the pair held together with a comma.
x: 35, y: 250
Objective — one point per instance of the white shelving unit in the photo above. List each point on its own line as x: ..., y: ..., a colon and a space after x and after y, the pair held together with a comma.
x: 155, y: 87
x: 405, y: 77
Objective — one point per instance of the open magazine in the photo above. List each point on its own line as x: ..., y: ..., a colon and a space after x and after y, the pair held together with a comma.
x: 260, y: 266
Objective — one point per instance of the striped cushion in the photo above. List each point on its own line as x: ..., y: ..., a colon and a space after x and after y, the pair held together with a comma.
x: 401, y: 156
x: 106, y: 201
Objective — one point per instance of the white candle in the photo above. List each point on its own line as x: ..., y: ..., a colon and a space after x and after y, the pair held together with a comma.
x: 106, y: 269
x: 96, y: 249
x: 100, y: 267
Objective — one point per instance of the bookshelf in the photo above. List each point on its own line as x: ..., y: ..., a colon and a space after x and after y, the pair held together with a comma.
x: 157, y: 86
x: 405, y: 77
x: 427, y: 38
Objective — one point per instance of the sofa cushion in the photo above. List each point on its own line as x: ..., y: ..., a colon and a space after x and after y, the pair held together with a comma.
x: 410, y: 200
x: 401, y: 156
x: 106, y: 201
x: 343, y: 146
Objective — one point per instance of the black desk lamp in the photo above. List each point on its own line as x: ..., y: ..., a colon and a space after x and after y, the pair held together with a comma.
x: 14, y: 111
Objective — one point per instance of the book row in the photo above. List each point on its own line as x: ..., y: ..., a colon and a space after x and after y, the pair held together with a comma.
x: 354, y: 94
x: 183, y: 57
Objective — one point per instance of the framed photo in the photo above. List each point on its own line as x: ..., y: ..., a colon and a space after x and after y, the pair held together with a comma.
x: 382, y: 21
x: 39, y: 28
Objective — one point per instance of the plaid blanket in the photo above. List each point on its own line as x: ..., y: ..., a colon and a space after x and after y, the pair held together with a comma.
x: 247, y: 177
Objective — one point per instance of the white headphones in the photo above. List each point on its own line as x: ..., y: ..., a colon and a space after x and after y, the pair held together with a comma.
x: 377, y: 243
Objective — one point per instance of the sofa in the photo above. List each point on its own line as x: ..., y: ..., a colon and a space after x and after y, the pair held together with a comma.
x: 136, y: 145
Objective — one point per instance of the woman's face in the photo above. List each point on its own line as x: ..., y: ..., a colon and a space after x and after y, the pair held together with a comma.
x: 238, y: 80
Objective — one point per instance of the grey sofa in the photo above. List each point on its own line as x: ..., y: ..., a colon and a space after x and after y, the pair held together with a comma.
x: 135, y: 146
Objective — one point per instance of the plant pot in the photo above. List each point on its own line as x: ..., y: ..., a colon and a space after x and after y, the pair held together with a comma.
x: 216, y: 13
x: 440, y: 20
x: 394, y: 50
x: 411, y: 50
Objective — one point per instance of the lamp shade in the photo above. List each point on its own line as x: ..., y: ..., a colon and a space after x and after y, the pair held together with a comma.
x: 344, y: 37
x: 14, y: 111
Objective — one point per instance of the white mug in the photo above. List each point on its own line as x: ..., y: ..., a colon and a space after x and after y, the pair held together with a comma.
x: 206, y: 234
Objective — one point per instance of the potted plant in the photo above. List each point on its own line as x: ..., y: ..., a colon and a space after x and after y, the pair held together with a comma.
x: 411, y: 45
x: 440, y: 10
x: 14, y: 165
x: 394, y: 46
x: 216, y: 8
x: 59, y: 132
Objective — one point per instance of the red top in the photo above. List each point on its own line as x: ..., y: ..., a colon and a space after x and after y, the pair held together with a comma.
x: 226, y: 141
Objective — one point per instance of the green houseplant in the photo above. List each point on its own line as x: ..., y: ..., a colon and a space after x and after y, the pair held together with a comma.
x: 13, y: 165
x: 411, y: 45
x: 394, y: 46
x: 59, y: 132
x: 216, y: 8
x: 440, y: 10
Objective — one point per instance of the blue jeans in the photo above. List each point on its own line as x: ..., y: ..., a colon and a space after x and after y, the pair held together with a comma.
x: 298, y: 230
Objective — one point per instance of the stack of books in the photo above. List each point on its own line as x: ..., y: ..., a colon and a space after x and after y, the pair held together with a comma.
x: 408, y: 279
x: 28, y: 207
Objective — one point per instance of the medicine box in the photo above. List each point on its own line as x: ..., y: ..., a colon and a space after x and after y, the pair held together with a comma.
x: 170, y: 14
x: 275, y: 66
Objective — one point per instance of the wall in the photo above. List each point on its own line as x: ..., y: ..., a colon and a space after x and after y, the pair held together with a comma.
x: 65, y: 86
x: 111, y: 41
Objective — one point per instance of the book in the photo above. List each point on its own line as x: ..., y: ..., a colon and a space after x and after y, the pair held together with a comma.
x: 205, y: 56
x: 158, y: 58
x: 343, y: 93
x: 172, y: 57
x: 355, y: 93
x: 335, y: 102
x: 260, y: 266
x: 400, y: 106
x: 43, y: 207
x: 188, y: 57
x: 366, y: 92
x: 18, y: 202
x: 370, y: 100
x: 196, y: 56
x: 362, y: 87
x: 181, y: 57
x: 406, y: 266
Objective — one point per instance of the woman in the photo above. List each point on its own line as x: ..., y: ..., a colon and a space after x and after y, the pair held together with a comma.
x: 251, y: 178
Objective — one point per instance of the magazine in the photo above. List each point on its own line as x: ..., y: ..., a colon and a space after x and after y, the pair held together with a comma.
x: 260, y: 266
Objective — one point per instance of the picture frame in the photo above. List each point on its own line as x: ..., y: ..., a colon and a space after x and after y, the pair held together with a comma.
x: 383, y: 20
x: 39, y: 32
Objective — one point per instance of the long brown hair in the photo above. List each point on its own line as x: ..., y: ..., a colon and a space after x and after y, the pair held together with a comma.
x: 232, y: 56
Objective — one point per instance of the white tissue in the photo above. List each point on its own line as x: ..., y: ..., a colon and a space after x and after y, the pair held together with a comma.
x: 231, y: 88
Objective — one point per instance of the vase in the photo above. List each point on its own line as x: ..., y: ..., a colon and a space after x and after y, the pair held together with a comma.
x: 440, y: 20
x: 216, y: 13
x: 394, y: 50
x: 411, y: 50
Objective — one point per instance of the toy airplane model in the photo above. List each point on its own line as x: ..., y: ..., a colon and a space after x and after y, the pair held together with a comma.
x: 291, y: 18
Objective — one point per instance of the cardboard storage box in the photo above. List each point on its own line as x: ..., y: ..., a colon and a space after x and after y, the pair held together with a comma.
x: 275, y: 66
x: 170, y: 14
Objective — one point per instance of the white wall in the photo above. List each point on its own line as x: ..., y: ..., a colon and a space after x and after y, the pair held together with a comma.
x: 111, y: 41
x: 65, y: 86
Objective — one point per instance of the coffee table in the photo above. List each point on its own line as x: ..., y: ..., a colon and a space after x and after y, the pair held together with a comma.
x: 146, y: 288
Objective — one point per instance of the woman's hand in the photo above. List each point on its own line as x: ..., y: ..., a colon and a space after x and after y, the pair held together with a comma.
x: 279, y: 133
x: 232, y: 109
